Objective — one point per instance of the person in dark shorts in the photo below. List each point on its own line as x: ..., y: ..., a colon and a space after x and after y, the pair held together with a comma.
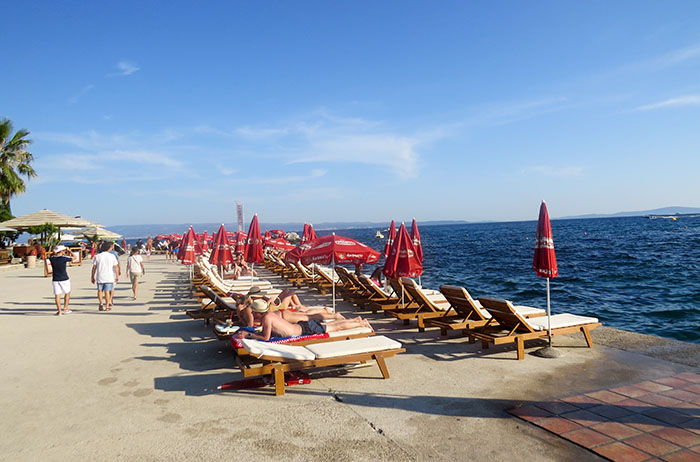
x: 311, y: 327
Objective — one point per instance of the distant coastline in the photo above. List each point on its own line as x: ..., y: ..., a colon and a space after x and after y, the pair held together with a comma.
x: 140, y: 231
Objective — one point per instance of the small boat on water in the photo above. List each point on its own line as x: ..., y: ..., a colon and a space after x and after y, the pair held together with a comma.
x: 379, y: 235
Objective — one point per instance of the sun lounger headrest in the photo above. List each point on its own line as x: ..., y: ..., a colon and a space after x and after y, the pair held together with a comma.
x: 258, y: 349
x: 353, y: 331
x: 353, y: 346
x: 560, y: 320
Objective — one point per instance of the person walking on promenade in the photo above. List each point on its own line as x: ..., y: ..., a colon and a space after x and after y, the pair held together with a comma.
x: 134, y: 270
x: 61, y: 283
x: 104, y: 273
x: 149, y: 248
x: 114, y: 252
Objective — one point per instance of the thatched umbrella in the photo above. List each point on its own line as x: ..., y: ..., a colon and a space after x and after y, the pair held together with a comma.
x: 47, y: 216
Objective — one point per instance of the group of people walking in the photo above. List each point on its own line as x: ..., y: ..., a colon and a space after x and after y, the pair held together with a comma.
x: 106, y: 270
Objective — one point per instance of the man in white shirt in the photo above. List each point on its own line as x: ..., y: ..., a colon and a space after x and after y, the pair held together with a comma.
x: 105, y: 267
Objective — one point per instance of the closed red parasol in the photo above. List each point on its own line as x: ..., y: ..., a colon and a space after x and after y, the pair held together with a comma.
x: 403, y: 259
x: 545, y: 265
x: 221, y: 250
x: 239, y: 246
x: 305, y: 234
x: 415, y: 237
x: 337, y: 249
x: 390, y: 239
x: 253, y: 252
x: 312, y: 233
x: 189, y: 248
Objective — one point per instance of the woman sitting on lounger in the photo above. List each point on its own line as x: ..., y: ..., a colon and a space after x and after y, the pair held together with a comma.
x: 274, y: 325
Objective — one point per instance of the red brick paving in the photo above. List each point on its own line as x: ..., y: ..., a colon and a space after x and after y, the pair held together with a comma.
x: 657, y: 419
x: 616, y: 430
x: 586, y: 437
x: 682, y: 456
x: 621, y: 452
x: 652, y: 444
x: 556, y: 407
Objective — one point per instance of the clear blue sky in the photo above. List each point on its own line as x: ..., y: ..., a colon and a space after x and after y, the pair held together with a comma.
x: 169, y: 112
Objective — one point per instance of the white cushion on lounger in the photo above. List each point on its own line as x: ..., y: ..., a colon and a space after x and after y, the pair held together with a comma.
x: 521, y: 309
x: 560, y: 320
x: 528, y: 310
x: 354, y: 346
x: 354, y: 331
x: 258, y: 349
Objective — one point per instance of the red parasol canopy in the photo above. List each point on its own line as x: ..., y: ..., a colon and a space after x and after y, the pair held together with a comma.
x: 340, y: 250
x: 402, y: 260
x: 415, y: 237
x: 293, y: 255
x: 253, y: 252
x: 279, y: 243
x: 305, y: 234
x: 390, y: 239
x: 545, y: 261
x: 189, y: 249
x: 221, y: 250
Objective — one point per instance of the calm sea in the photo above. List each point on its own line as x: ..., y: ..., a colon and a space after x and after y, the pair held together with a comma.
x: 633, y: 273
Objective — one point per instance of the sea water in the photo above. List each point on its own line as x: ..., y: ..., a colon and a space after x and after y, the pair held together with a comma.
x: 635, y: 273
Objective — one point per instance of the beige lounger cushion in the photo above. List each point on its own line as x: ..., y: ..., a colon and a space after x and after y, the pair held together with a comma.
x: 351, y: 347
x: 560, y: 320
x: 521, y: 309
x: 258, y: 348
x: 527, y: 310
x: 354, y: 331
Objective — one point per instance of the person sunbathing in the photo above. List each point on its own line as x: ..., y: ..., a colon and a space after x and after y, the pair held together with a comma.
x: 274, y: 325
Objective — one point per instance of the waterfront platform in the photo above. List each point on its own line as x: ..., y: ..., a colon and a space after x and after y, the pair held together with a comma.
x: 140, y: 383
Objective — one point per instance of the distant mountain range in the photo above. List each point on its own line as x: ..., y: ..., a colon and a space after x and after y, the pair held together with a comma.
x: 662, y: 211
x: 141, y: 231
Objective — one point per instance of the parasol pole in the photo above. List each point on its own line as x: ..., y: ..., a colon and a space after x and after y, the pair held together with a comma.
x: 549, y: 317
x: 333, y: 277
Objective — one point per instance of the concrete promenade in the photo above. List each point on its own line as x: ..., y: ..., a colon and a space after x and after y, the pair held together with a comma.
x: 139, y: 383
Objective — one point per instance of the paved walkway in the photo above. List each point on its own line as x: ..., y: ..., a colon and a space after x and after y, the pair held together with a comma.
x: 140, y: 383
x: 641, y: 421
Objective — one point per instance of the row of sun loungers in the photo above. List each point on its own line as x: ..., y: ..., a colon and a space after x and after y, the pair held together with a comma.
x: 452, y: 308
x: 488, y: 320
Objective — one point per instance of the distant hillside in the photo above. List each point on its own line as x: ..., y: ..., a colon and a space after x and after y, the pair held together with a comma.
x: 136, y: 231
x: 662, y: 211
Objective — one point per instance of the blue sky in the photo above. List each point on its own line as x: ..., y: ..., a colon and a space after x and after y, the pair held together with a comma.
x: 169, y: 112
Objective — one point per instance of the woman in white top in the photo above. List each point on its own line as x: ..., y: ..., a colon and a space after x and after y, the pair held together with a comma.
x: 135, y: 269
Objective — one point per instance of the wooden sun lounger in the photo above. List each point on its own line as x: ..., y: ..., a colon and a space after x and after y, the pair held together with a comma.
x: 423, y: 307
x: 465, y: 313
x: 351, y: 289
x: 216, y: 308
x: 513, y: 327
x: 278, y: 359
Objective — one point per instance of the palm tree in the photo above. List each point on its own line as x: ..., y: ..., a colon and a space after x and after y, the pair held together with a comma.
x: 15, y: 162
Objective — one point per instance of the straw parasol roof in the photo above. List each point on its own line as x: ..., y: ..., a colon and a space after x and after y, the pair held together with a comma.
x: 47, y: 216
x: 8, y: 229
x: 100, y: 233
